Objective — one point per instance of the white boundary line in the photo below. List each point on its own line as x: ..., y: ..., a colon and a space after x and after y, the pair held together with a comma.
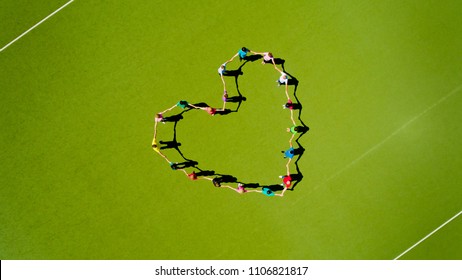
x: 428, y: 235
x: 375, y: 147
x: 40, y: 22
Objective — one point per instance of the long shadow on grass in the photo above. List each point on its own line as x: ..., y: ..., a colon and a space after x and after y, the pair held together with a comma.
x: 237, y: 100
x: 298, y: 176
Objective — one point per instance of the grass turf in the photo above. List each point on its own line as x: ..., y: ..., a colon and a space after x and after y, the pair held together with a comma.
x: 80, y: 181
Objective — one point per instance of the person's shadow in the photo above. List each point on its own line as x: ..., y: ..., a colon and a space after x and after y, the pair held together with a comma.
x: 204, y: 173
x: 299, y: 109
x: 173, y: 144
x: 299, y: 151
x: 251, y: 185
x: 252, y: 58
x: 279, y: 61
x: 169, y: 144
x: 298, y: 177
x: 201, y: 104
x: 274, y: 187
x: 223, y: 112
x: 183, y: 165
x: 238, y: 98
x: 174, y: 118
x: 233, y: 73
x: 226, y: 178
x: 292, y: 82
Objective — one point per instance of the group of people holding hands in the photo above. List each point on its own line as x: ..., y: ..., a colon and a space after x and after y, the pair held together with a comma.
x: 242, y: 54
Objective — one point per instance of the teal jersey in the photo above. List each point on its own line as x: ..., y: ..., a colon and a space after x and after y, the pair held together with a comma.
x: 242, y: 53
x: 267, y: 192
x: 182, y: 104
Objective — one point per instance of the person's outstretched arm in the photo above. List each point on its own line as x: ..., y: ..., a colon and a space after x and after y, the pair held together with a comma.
x: 290, y: 141
x: 279, y: 70
x: 272, y: 60
x: 195, y: 107
x: 155, y: 133
x: 253, y: 191
x: 292, y: 116
x: 206, y: 178
x: 232, y: 58
x: 282, y: 193
x: 223, y: 80
x: 229, y: 187
x: 169, y: 109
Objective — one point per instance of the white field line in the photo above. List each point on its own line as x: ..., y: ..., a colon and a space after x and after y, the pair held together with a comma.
x: 40, y: 22
x: 378, y: 145
x: 420, y: 241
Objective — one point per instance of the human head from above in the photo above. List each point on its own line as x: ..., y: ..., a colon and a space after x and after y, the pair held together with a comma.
x: 297, y: 129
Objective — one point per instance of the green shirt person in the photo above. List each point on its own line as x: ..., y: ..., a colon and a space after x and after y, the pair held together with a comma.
x: 294, y: 129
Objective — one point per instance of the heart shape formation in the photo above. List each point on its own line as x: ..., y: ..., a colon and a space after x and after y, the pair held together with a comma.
x: 289, y: 180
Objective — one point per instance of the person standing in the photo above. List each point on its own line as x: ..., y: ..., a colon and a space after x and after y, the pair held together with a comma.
x: 283, y: 80
x: 221, y: 72
x: 242, y: 53
x: 267, y: 57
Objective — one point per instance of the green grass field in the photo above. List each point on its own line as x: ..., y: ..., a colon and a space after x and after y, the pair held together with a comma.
x: 381, y: 88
